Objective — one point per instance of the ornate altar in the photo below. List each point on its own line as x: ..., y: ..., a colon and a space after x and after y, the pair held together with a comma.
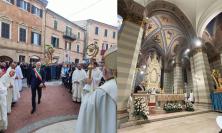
x: 153, y: 72
x: 217, y: 79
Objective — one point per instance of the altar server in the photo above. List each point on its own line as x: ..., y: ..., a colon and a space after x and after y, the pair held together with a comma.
x: 78, y: 82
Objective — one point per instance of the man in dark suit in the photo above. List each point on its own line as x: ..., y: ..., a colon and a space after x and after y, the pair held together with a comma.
x: 37, y: 83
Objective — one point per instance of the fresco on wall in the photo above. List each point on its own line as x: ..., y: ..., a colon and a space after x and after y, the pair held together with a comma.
x: 150, y: 27
x: 167, y: 20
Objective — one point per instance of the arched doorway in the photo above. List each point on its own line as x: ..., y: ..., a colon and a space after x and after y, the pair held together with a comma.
x: 5, y: 58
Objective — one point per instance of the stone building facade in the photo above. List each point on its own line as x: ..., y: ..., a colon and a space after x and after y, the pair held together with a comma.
x: 105, y: 35
x: 66, y: 37
x: 22, y: 29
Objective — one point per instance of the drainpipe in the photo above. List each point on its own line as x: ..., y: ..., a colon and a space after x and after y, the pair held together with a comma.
x: 44, y: 35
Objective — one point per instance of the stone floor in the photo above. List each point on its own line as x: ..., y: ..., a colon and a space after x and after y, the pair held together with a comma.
x: 61, y: 127
x: 201, y: 123
x: 56, y: 105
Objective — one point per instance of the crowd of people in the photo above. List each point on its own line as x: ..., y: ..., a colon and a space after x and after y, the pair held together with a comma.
x: 97, y: 82
x: 74, y: 78
x: 10, y: 87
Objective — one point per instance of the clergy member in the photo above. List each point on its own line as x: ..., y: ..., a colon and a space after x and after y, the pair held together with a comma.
x: 78, y: 78
x: 98, y: 110
x: 96, y: 76
x: 19, y: 77
x: 4, y: 84
x: 11, y: 93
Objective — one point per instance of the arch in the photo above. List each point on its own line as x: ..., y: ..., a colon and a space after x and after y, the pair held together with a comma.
x: 207, y: 16
x: 5, y: 58
x: 156, y: 7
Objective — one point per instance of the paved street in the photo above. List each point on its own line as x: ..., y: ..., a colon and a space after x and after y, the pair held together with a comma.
x: 56, y: 101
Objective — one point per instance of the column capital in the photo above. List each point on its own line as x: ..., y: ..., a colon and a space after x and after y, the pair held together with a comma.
x: 220, y: 49
x: 179, y: 64
x: 131, y: 11
x: 197, y: 50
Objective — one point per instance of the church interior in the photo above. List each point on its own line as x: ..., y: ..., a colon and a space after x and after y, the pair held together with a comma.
x: 169, y: 59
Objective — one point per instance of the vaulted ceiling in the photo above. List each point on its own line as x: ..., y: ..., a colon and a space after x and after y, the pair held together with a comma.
x: 198, y: 12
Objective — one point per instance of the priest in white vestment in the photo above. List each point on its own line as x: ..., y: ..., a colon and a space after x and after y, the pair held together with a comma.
x: 98, y: 110
x: 4, y: 84
x: 18, y: 78
x: 12, y: 94
x: 96, y: 76
x: 78, y: 81
x: 17, y: 83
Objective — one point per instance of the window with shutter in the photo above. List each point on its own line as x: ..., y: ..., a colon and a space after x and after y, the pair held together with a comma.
x: 55, y: 42
x: 97, y: 30
x: 5, y: 30
x: 77, y: 48
x: 32, y: 38
x: 66, y: 43
x: 70, y: 46
x: 18, y: 3
x: 114, y: 35
x: 36, y: 38
x: 55, y: 24
x: 33, y: 9
x: 22, y: 35
x: 29, y: 7
x: 106, y: 32
x: 107, y: 46
x: 41, y: 13
x: 40, y: 39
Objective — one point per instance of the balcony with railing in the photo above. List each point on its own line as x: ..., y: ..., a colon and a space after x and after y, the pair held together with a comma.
x: 69, y: 36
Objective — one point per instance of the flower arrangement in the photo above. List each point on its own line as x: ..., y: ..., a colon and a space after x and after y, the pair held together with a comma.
x: 189, y: 106
x: 140, y: 108
x: 172, y: 107
x: 157, y: 91
x: 149, y: 91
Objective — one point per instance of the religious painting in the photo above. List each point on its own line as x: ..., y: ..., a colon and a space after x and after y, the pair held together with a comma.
x: 169, y: 36
x: 167, y: 20
x: 150, y: 27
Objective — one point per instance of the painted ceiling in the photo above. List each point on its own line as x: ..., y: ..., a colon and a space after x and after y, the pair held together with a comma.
x: 164, y: 31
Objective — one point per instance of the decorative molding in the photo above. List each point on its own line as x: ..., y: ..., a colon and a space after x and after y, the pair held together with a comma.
x: 197, y: 50
x: 131, y: 11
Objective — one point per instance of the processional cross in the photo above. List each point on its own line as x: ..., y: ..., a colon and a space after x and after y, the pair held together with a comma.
x: 92, y: 50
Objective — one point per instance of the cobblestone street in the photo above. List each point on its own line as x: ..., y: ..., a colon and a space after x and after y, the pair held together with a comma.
x: 56, y: 102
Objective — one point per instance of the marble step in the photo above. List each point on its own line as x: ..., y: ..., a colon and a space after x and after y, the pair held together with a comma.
x: 162, y: 117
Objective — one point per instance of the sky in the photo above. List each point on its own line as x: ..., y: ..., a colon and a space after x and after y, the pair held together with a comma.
x: 101, y: 10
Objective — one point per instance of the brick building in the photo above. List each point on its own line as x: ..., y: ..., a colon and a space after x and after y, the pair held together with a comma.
x: 22, y: 29
x: 66, y: 37
x: 105, y: 35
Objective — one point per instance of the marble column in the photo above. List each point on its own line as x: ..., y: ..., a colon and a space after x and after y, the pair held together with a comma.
x: 189, y: 82
x: 178, y: 79
x: 166, y: 82
x: 129, y: 43
x: 202, y: 82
